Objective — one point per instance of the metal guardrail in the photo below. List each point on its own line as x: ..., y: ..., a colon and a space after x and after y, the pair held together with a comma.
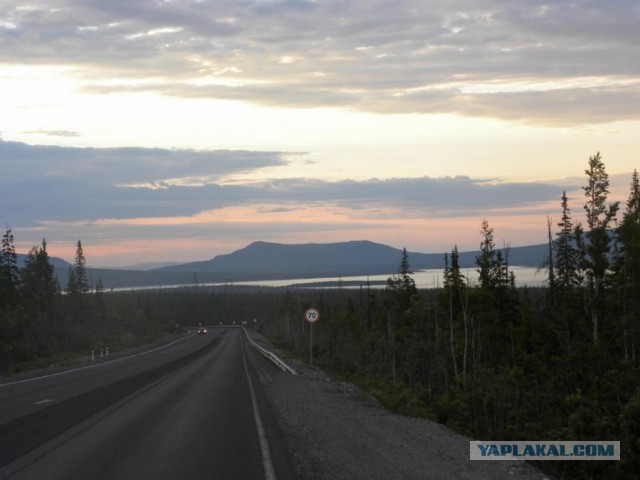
x: 270, y: 355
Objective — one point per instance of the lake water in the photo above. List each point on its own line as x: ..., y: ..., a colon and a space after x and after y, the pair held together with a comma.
x: 525, y: 276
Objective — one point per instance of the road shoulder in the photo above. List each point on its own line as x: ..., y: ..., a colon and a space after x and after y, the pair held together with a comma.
x: 334, y: 430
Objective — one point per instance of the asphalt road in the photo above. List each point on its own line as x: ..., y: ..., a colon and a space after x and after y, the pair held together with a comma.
x: 194, y: 409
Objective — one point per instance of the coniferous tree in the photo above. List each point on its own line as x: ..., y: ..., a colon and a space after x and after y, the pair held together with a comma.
x: 9, y: 283
x: 600, y: 217
x: 633, y: 202
x: 401, y: 288
x: 78, y: 282
x: 627, y: 266
x: 629, y: 233
x: 72, y: 286
x: 456, y: 297
x: 493, y: 265
x: 403, y: 283
x: 487, y: 261
x: 453, y: 277
x: 498, y: 294
x: 550, y: 261
x: 599, y: 214
x: 9, y: 271
x: 38, y: 282
x: 566, y: 256
x: 568, y: 245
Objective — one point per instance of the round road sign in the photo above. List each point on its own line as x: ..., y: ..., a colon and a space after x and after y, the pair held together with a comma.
x: 311, y: 315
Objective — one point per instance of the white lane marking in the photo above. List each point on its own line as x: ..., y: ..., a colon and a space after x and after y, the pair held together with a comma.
x: 42, y: 402
x: 92, y: 366
x: 267, y: 464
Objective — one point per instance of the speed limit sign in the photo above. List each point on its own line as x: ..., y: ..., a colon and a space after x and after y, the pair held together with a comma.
x: 311, y: 315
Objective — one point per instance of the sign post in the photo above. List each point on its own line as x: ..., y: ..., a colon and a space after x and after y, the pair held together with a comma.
x: 311, y: 315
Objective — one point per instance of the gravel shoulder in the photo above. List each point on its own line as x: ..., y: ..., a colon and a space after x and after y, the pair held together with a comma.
x: 334, y: 430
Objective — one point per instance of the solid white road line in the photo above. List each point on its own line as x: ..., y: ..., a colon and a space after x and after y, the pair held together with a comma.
x: 267, y: 464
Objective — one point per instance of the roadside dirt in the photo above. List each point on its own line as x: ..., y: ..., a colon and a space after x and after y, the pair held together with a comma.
x: 334, y: 431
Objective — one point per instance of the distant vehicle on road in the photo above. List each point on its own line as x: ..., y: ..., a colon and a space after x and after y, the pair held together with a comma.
x: 202, y: 331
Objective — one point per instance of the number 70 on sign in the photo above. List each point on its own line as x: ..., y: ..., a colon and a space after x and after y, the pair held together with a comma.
x: 312, y: 315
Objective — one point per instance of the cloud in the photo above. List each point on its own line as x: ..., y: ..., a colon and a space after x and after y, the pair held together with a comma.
x: 43, y: 183
x: 385, y: 56
x: 54, y: 133
x: 416, y: 197
x: 62, y: 183
x: 128, y: 165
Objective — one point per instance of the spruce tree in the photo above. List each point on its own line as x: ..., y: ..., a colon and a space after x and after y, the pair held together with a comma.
x: 629, y: 230
x: 456, y: 297
x: 569, y: 253
x: 566, y: 255
x: 9, y: 271
x: 488, y: 262
x: 627, y: 268
x: 401, y: 287
x: 600, y: 217
x: 453, y: 277
x: 38, y: 283
x: 403, y: 283
x: 78, y: 282
x: 550, y: 262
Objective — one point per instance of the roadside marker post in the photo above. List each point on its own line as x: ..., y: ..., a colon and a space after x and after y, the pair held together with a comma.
x: 311, y: 315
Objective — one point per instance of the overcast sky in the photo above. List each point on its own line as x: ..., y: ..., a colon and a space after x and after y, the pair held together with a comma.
x: 178, y: 130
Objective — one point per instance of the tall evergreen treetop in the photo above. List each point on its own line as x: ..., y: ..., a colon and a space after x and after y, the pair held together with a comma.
x: 597, y: 260
x: 78, y: 282
x: 628, y: 261
x: 629, y: 229
x: 38, y: 279
x: 403, y: 283
x: 632, y: 214
x: 600, y: 216
x: 9, y: 271
x: 597, y: 191
x: 407, y: 283
x: 489, y: 261
x: 566, y: 261
x: 453, y: 277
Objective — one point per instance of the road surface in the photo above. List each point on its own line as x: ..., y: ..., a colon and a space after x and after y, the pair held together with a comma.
x: 193, y: 409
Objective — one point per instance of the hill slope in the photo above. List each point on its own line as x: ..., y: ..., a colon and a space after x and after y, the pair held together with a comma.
x: 273, y: 261
x: 345, y: 258
x: 54, y: 261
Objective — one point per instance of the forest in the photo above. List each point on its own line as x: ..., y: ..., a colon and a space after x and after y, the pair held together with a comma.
x: 485, y: 358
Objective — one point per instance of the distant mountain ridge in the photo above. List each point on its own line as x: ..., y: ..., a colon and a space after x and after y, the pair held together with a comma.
x: 344, y: 258
x: 276, y: 261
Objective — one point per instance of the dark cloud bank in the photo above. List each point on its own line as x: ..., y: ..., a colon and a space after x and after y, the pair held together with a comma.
x: 41, y: 183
